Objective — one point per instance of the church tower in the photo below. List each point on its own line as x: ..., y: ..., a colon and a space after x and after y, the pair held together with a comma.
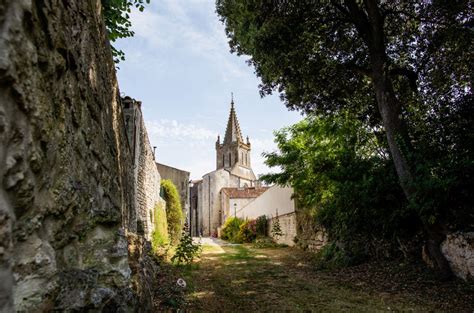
x: 233, y: 150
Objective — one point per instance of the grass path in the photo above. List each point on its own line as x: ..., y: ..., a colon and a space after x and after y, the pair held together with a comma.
x: 241, y: 278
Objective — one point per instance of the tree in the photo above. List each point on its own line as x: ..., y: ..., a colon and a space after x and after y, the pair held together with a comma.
x: 276, y: 228
x: 117, y: 21
x: 378, y: 59
x: 342, y: 179
x: 174, y: 212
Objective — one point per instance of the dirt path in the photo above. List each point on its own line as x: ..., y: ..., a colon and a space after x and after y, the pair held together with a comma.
x: 231, y: 278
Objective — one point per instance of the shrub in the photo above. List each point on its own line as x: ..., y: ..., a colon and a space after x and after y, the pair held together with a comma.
x: 261, y: 226
x: 332, y: 256
x: 160, y: 234
x: 174, y: 213
x: 267, y: 242
x: 276, y: 228
x: 247, y: 231
x: 231, y: 229
x: 186, y: 250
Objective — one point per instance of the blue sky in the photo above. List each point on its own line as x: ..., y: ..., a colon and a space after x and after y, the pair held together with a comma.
x: 179, y: 65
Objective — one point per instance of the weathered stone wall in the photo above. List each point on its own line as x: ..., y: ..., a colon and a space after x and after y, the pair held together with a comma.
x: 66, y: 193
x: 148, y: 185
x: 309, y: 235
x: 288, y: 228
x: 458, y: 248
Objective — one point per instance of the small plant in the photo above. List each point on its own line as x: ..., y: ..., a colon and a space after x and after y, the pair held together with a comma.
x: 186, y: 250
x: 276, y: 228
x: 261, y: 226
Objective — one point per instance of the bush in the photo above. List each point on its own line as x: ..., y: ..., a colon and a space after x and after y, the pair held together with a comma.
x: 160, y: 236
x: 267, y: 242
x: 332, y: 256
x: 174, y: 213
x: 261, y: 226
x: 231, y: 229
x: 186, y: 250
x: 247, y: 231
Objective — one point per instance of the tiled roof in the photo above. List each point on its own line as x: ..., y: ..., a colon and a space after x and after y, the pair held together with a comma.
x: 249, y: 192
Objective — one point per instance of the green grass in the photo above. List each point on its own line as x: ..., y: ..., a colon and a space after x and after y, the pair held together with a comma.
x: 247, y: 279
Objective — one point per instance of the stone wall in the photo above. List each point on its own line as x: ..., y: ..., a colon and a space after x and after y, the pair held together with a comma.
x: 67, y: 194
x: 458, y: 248
x: 309, y: 235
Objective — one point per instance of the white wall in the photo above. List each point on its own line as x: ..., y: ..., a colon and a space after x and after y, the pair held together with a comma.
x: 276, y: 197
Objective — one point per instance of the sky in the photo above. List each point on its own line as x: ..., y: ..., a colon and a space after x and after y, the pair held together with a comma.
x: 179, y: 65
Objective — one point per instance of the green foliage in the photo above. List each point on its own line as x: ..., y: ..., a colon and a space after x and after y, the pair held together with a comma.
x: 265, y: 243
x: 444, y: 153
x: 117, y: 21
x: 247, y: 231
x: 174, y: 212
x: 276, y: 228
x: 231, y: 229
x: 342, y: 177
x: 160, y: 236
x: 261, y: 226
x: 186, y: 250
x: 331, y: 256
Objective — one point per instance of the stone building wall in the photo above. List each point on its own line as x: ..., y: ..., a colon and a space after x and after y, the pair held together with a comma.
x: 212, y: 183
x: 148, y: 185
x: 180, y: 179
x: 67, y: 201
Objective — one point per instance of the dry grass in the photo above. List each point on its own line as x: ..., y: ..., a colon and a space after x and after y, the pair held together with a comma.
x: 282, y: 279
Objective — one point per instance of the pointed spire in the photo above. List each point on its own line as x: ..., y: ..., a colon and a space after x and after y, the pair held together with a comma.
x: 232, y: 132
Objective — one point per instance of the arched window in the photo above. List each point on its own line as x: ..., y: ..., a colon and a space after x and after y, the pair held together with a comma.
x: 223, y: 160
x: 242, y: 157
x: 230, y: 159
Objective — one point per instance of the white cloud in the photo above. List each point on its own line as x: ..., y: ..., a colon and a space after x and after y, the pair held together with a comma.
x: 177, y: 131
x: 171, y: 26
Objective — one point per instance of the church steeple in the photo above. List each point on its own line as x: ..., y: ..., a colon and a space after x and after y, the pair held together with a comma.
x: 233, y: 150
x: 232, y: 132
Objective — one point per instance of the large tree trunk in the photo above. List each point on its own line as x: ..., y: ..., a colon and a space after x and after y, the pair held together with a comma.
x: 390, y: 110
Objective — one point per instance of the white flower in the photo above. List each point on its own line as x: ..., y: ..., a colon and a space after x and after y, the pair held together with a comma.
x: 181, y: 282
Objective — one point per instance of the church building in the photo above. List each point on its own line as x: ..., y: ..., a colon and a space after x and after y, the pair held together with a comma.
x: 210, y: 204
